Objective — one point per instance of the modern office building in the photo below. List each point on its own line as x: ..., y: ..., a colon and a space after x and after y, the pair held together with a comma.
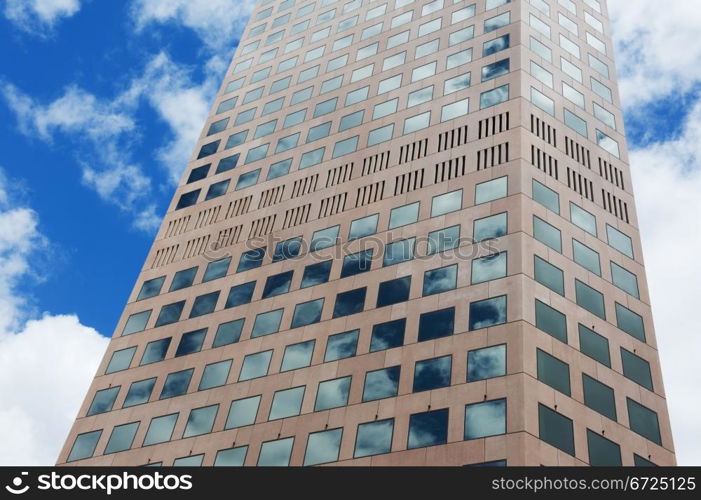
x: 406, y: 236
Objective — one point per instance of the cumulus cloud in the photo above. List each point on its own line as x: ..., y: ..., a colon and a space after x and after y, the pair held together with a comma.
x: 39, y: 15
x: 46, y: 363
x: 216, y: 22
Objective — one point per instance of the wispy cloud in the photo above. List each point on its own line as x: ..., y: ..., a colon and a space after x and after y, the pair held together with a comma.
x: 54, y: 357
x: 39, y: 16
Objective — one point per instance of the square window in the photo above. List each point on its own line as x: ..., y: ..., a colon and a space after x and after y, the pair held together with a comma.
x: 446, y: 203
x: 374, y: 438
x: 636, y: 369
x: 436, y: 324
x: 286, y: 403
x: 191, y: 342
x: 553, y: 372
x: 556, y: 429
x: 387, y: 335
x: 267, y: 323
x: 547, y: 234
x: 151, y: 288
x: 215, y: 375
x: 176, y: 384
x: 277, y: 284
x: 590, y: 299
x: 240, y: 294
x: 488, y: 312
x: 550, y: 276
x: 103, y: 401
x: 170, y: 313
x: 84, y: 446
x: 599, y: 397
x: 307, y: 313
x: 488, y: 268
x: 155, y: 351
x: 122, y: 438
x: 551, y: 321
x: 341, y: 346
x: 630, y: 322
x: 204, y: 304
x: 603, y: 452
x: 393, y: 291
x: 255, y: 365
x: 332, y: 394
x: 276, y: 453
x: 428, y: 429
x: 381, y: 384
x: 486, y: 363
x: 485, y: 419
x: 323, y: 447
x: 120, y: 360
x: 315, y: 274
x: 242, y: 412
x: 443, y: 239
x: 324, y: 238
x: 490, y: 227
x: 644, y: 421
x: 136, y: 322
x: 432, y: 373
x: 297, y: 356
x: 440, y: 280
x: 288, y: 249
x: 200, y: 421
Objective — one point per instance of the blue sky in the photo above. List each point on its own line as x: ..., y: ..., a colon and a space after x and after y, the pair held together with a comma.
x: 101, y: 102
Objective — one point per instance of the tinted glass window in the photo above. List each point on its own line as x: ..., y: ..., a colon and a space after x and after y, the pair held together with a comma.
x: 399, y: 251
x: 315, y: 274
x: 590, y: 299
x: 255, y: 365
x: 228, y: 333
x: 191, y: 342
x: 287, y: 249
x: 251, y: 259
x: 297, y: 356
x: 286, y: 403
x: 204, y: 304
x: 553, y: 372
x: 602, y: 452
x: 155, y: 351
x: 160, y: 429
x: 183, y: 279
x: 176, y: 384
x: 387, y: 335
x: 356, y: 263
x: 550, y: 276
x: 594, y: 345
x: 599, y: 397
x: 277, y: 284
x: 488, y: 268
x: 151, y: 288
x: 233, y: 457
x: 242, y: 412
x: 380, y: 384
x: 103, y: 401
x: 393, y: 291
x: 551, y: 321
x: 363, y: 227
x: 200, y: 421
x: 556, y: 429
x: 630, y: 322
x: 440, y: 280
x: 240, y: 294
x: 323, y: 447
x: 428, y: 429
x: 332, y: 394
x: 341, y: 345
x: 485, y: 363
x: 644, y: 421
x: 307, y: 313
x: 488, y: 312
x: 120, y: 360
x: 216, y: 269
x: 122, y: 438
x: 136, y: 322
x: 436, y: 324
x: 170, y: 313
x: 432, y: 373
x: 485, y: 419
x: 84, y: 446
x: 443, y: 239
x: 374, y: 438
x: 350, y: 302
x: 215, y: 375
x: 275, y: 453
x: 139, y: 392
x: 636, y: 369
x: 267, y: 323
x: 489, y: 227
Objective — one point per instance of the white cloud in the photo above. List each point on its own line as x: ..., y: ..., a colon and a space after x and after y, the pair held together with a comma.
x: 659, y: 58
x: 216, y: 22
x: 38, y: 15
x: 46, y: 363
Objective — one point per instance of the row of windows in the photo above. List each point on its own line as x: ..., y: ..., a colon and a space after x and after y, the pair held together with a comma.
x: 429, y: 374
x: 484, y: 419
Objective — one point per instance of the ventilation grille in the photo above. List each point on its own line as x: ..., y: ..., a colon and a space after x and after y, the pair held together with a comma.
x: 580, y: 184
x: 615, y: 206
x: 543, y: 161
x: 271, y: 196
x: 339, y: 175
x: 196, y: 246
x: 375, y: 163
x: 406, y: 183
x: 229, y: 236
x: 238, y: 207
x: 165, y: 256
x: 612, y: 174
x: 493, y: 156
x: 369, y: 194
x: 305, y: 186
x: 207, y: 217
x: 179, y: 226
x: 544, y: 131
x: 450, y: 169
x: 413, y: 151
x: 493, y: 125
x: 262, y: 226
x: 296, y: 216
x: 452, y: 138
x: 577, y: 152
x: 332, y: 205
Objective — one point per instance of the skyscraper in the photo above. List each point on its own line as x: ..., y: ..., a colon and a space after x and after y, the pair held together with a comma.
x: 406, y: 236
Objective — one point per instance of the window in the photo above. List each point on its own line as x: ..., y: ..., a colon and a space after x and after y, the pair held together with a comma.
x: 576, y: 123
x: 286, y: 403
x: 356, y: 96
x: 332, y: 394
x: 189, y: 461
x: 547, y: 234
x: 550, y: 276
x: 188, y: 199
x: 206, y: 150
x: 84, y: 446
x: 160, y: 429
x: 422, y: 72
x: 392, y: 62
x: 301, y: 96
x: 120, y: 360
x: 242, y: 412
x: 176, y: 384
x: 543, y: 102
x: 122, y: 438
x: 599, y: 397
x: 494, y: 226
x: 191, y: 342
x: 641, y: 462
x: 457, y: 83
x: 323, y: 447
x: 381, y: 134
x: 284, y: 144
x: 491, y: 190
x: 440, y: 280
x: 496, y: 45
x: 455, y: 110
x: 418, y: 122
x: 541, y: 74
x: 273, y: 106
x: 443, y: 239
x: 418, y: 97
x: 297, y: 356
x: 590, y: 299
x: 324, y: 238
x: 436, y: 324
x: 573, y: 95
x: 594, y: 345
x: 267, y: 323
x: 462, y: 14
x: 240, y: 294
x: 233, y: 457
x: 326, y: 107
x: 586, y: 257
x: 217, y: 189
x: 427, y: 48
x: 488, y: 312
x: 204, y: 304
x: 486, y: 363
x: 276, y: 453
x: 546, y: 197
x: 255, y: 365
x: 570, y: 46
x: 215, y: 375
x: 602, y: 452
x: 625, y: 280
x: 170, y: 313
x: 155, y: 351
x: 636, y: 369
x: 374, y: 438
x: 401, y: 216
x: 151, y: 288
x: 196, y: 174
x: 495, y: 70
x: 485, y: 419
x: 380, y: 384
x: 277, y: 284
x: 446, y: 203
x: 136, y: 322
x: 556, y: 429
x: 251, y: 259
x: 553, y: 372
x: 351, y: 120
x: 583, y: 219
x: 428, y: 429
x: 551, y: 321
x: 387, y: 335
x: 497, y: 22
x: 200, y: 421
x: 103, y: 401
x: 460, y: 36
x: 389, y: 84
x: 287, y: 249
x: 432, y: 373
x: 366, y: 226
x: 458, y: 59
x: 216, y: 269
x: 315, y: 274
x: 393, y: 291
x: 228, y: 333
x: 341, y: 346
x: 350, y: 302
x: 307, y: 313
x: 488, y: 268
x: 398, y: 39
x: 644, y: 421
x: 356, y: 263
x: 630, y: 322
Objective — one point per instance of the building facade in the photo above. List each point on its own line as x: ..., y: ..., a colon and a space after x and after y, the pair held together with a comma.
x: 406, y: 236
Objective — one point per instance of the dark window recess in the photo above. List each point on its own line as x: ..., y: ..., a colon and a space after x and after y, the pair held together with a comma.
x: 191, y: 342
x: 387, y: 335
x: 199, y: 173
x: 240, y: 294
x: 436, y: 324
x: 208, y: 149
x: 188, y: 199
x: 227, y: 163
x: 350, y: 302
x: 393, y: 291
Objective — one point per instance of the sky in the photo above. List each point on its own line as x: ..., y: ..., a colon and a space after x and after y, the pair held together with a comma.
x: 101, y: 103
